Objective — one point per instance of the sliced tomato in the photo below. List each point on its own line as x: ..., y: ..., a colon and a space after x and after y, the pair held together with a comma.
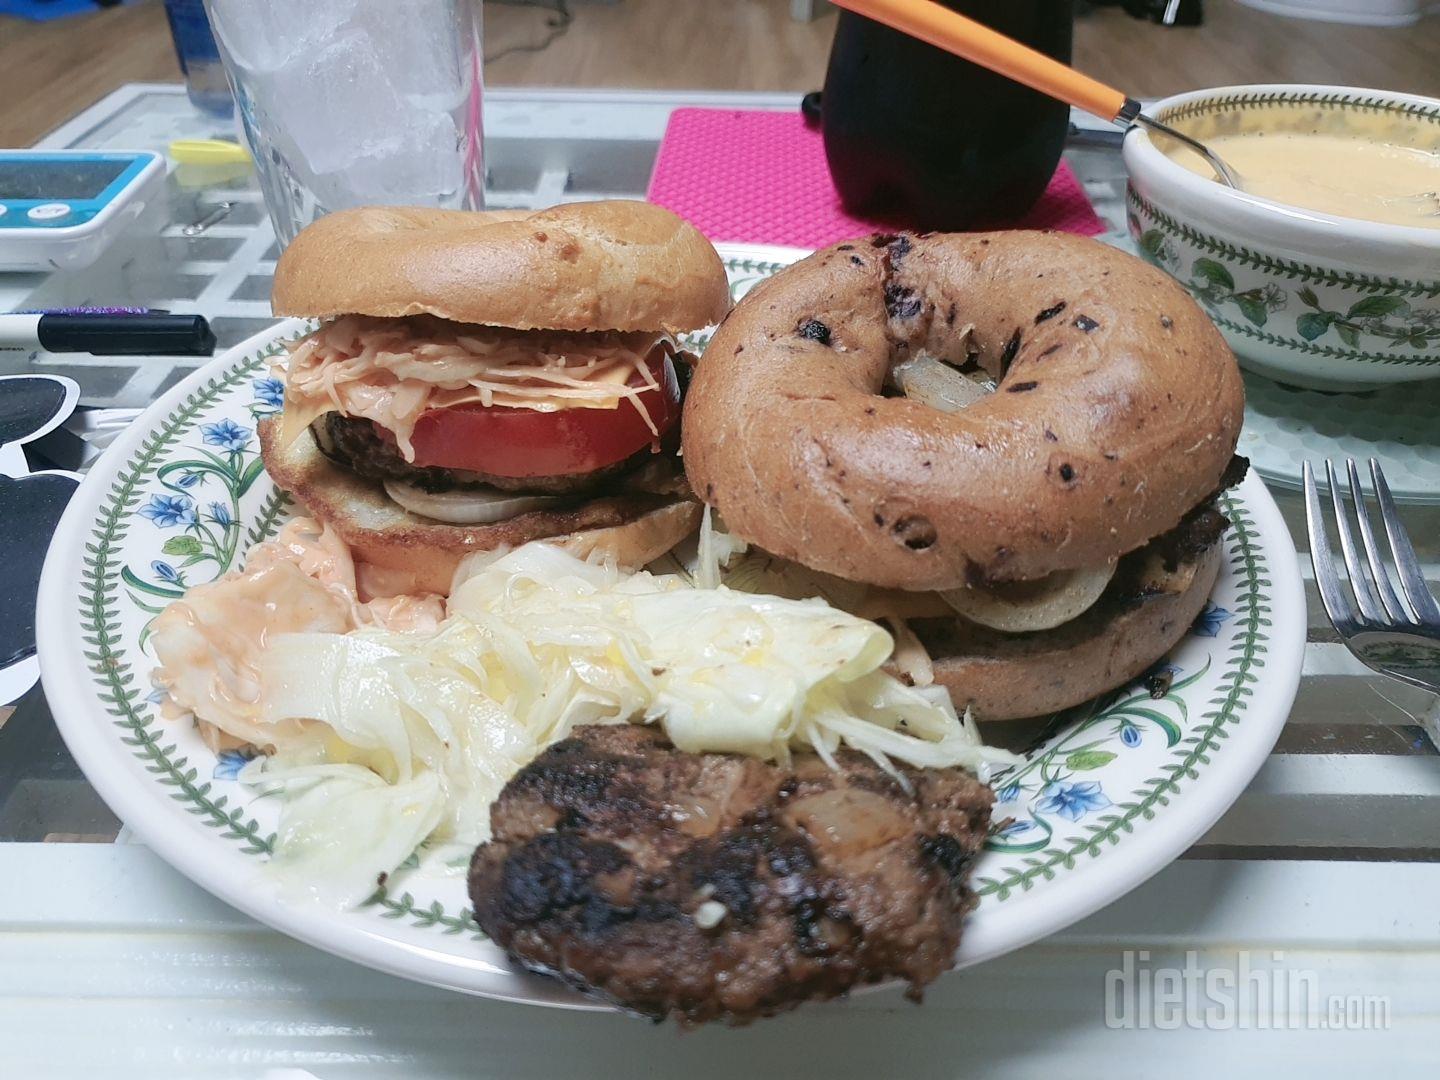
x: 504, y: 441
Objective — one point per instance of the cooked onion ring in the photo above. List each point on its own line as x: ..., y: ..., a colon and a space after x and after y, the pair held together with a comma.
x: 466, y: 506
x: 1025, y: 606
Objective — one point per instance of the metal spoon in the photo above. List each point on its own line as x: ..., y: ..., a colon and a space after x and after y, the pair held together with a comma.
x: 977, y: 43
x: 1130, y: 114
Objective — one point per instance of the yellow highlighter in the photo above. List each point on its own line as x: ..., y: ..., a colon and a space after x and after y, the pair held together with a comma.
x: 208, y: 152
x: 208, y: 162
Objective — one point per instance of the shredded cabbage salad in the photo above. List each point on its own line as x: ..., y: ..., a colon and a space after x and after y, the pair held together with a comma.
x: 383, y: 739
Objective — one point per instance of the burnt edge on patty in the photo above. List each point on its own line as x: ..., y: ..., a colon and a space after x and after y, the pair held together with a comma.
x: 1203, y: 526
x: 613, y: 851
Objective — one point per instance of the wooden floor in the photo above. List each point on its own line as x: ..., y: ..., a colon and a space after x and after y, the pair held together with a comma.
x: 753, y: 45
x: 50, y: 71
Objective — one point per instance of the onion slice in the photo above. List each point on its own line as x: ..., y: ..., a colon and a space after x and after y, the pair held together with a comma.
x: 1015, y: 607
x: 935, y: 383
x: 1022, y: 606
x: 466, y: 506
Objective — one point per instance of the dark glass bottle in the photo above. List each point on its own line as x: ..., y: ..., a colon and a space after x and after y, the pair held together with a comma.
x: 920, y: 136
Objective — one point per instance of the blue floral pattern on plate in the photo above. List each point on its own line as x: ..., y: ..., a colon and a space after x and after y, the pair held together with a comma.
x: 1071, y: 800
x: 167, y: 511
x: 1052, y: 784
x: 200, y: 506
x: 269, y: 396
x: 228, y: 764
x: 226, y: 434
x: 1211, y: 618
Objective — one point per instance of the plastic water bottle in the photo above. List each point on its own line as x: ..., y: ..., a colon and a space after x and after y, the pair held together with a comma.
x: 199, y: 58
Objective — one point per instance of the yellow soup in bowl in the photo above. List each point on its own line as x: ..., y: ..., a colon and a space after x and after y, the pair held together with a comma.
x: 1323, y: 271
x: 1351, y: 166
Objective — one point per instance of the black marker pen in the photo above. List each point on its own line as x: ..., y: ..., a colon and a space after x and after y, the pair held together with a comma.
x: 109, y: 334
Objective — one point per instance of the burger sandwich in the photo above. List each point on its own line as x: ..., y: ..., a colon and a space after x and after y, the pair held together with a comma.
x: 1011, y: 445
x: 481, y: 380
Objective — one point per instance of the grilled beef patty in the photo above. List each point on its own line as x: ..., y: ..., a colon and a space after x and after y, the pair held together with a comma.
x: 715, y: 886
x: 354, y: 443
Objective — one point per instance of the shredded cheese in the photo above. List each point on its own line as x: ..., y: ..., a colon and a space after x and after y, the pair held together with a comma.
x: 393, y: 370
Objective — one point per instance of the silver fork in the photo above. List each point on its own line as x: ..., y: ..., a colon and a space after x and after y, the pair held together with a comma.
x: 1395, y: 636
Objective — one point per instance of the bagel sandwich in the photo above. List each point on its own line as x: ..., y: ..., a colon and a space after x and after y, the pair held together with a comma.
x: 480, y: 380
x: 1010, y: 445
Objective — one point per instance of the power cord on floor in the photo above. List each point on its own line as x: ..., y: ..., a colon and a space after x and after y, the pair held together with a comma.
x: 558, y: 24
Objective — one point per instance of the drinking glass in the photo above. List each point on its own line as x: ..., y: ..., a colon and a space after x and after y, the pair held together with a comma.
x: 356, y: 102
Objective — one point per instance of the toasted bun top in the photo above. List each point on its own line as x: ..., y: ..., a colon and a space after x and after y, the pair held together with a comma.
x: 614, y: 265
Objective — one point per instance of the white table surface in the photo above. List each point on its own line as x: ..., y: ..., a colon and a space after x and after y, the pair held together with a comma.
x: 128, y: 970
x: 112, y: 965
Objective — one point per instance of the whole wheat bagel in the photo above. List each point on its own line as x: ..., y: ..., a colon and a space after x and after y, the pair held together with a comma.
x: 1117, y: 410
x: 612, y: 265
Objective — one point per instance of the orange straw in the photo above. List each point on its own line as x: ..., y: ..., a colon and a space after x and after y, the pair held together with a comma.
x: 964, y: 37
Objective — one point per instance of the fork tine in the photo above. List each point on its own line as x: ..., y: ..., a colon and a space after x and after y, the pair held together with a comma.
x: 1392, y: 602
x: 1337, y: 605
x: 1412, y: 580
x: 1365, y: 595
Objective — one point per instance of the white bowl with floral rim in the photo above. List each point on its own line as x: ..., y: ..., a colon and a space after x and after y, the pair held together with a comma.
x: 1308, y: 298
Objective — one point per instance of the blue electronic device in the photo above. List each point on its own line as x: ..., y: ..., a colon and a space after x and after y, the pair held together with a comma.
x: 59, y: 209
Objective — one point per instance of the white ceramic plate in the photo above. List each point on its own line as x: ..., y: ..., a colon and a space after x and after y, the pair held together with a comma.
x: 1116, y: 790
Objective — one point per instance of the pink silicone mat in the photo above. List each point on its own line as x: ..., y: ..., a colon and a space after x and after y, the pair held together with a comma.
x: 761, y: 178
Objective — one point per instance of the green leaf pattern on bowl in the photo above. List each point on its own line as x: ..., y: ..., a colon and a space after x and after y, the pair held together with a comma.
x: 1356, y: 317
